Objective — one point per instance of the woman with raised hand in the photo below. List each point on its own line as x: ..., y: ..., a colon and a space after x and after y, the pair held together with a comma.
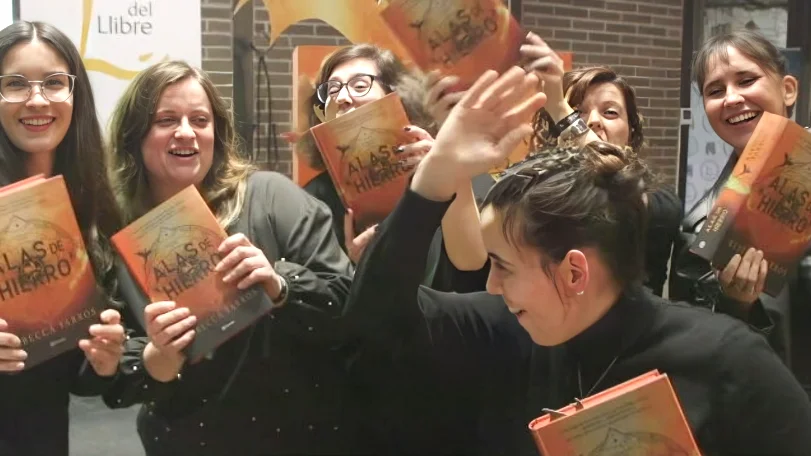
x: 48, y: 126
x: 278, y: 386
x: 740, y: 76
x: 355, y: 76
x: 608, y: 107
x: 565, y: 315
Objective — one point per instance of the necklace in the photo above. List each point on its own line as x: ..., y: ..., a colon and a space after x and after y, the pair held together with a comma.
x: 602, y: 376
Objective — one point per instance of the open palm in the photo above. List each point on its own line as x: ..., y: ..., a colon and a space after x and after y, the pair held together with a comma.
x: 488, y: 123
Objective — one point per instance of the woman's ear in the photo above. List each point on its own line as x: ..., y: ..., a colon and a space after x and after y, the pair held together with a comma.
x: 789, y: 90
x: 575, y: 273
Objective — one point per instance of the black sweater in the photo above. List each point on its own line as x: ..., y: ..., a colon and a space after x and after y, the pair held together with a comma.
x: 456, y: 374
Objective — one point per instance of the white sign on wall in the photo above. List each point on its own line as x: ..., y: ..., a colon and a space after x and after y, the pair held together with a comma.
x: 119, y: 38
x: 6, y: 15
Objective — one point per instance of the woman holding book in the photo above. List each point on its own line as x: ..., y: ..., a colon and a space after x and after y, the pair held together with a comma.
x: 363, y: 73
x: 740, y: 76
x: 276, y: 387
x: 48, y: 126
x: 565, y: 316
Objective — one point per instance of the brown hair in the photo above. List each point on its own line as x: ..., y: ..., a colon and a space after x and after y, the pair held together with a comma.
x: 565, y: 198
x: 576, y: 84
x: 224, y: 185
x: 79, y: 157
x: 749, y: 43
x: 393, y: 76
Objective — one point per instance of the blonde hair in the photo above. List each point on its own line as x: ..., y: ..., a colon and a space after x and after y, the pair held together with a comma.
x: 223, y: 187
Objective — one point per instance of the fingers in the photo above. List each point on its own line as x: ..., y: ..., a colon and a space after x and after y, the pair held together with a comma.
x: 12, y: 355
x: 237, y: 255
x: 156, y: 309
x: 250, y: 261
x: 728, y: 273
x: 741, y: 279
x: 161, y: 322
x: 11, y: 366
x: 418, y: 149
x: 520, y: 93
x: 169, y: 334
x: 471, y: 98
x: 254, y: 276
x: 417, y: 133
x: 110, y: 317
x: 753, y: 268
x: 363, y: 238
x: 511, y: 78
x: 525, y: 110
x: 438, y: 87
x: 763, y: 271
x: 349, y: 227
x: 232, y: 242
x: 9, y: 340
x: 113, y: 332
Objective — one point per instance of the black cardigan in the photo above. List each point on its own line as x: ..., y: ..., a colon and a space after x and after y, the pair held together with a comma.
x: 448, y: 373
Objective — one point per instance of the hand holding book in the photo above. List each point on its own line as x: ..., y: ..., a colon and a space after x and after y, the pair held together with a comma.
x: 246, y: 265
x: 548, y: 65
x: 105, y: 348
x: 744, y: 277
x: 12, y: 357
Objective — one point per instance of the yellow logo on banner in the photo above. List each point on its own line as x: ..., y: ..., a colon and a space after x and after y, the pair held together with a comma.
x: 99, y: 65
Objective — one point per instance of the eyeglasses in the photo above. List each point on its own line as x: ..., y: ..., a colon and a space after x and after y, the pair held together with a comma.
x: 57, y: 88
x: 358, y: 86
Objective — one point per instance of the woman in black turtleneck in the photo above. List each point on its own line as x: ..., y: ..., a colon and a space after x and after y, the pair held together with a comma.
x: 447, y: 373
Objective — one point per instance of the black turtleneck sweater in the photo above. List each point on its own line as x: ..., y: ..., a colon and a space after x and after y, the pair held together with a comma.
x: 445, y: 373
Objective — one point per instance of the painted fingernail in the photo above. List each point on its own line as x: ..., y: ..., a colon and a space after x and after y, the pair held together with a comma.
x: 406, y: 128
x: 399, y: 149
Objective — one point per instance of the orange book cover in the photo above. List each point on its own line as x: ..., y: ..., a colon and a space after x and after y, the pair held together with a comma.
x: 306, y: 63
x: 48, y: 291
x: 765, y: 203
x: 639, y: 417
x: 460, y: 37
x: 359, y: 149
x: 171, y: 252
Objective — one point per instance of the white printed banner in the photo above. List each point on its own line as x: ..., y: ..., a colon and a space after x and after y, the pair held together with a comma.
x: 119, y: 38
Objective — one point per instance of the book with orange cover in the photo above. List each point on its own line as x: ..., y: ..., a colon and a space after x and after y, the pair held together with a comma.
x: 639, y: 417
x: 359, y: 149
x: 171, y: 252
x: 306, y: 63
x: 460, y: 37
x: 48, y: 291
x: 765, y: 203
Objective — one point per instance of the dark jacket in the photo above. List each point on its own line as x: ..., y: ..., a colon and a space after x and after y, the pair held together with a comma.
x: 279, y: 386
x: 453, y: 373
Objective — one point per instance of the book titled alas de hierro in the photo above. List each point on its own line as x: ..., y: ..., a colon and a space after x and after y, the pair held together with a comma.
x: 360, y: 151
x: 48, y: 291
x: 765, y: 203
x: 640, y: 417
x: 460, y: 37
x: 171, y: 251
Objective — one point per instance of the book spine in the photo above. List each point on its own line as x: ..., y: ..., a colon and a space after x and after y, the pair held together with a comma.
x: 332, y: 168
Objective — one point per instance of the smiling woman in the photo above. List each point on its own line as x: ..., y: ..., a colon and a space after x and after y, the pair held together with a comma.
x: 173, y: 129
x: 48, y: 126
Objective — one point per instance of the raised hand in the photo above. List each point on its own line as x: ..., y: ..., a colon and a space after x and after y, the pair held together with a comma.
x: 439, y: 99
x: 105, y: 348
x: 549, y: 66
x: 480, y: 132
x: 170, y: 328
x: 12, y: 357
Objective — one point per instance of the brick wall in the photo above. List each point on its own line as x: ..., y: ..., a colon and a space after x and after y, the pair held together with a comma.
x: 641, y: 39
x: 217, y: 46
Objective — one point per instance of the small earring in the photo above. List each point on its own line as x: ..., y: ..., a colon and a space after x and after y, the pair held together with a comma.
x: 580, y: 293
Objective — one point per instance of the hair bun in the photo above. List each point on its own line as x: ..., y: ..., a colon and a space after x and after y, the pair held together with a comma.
x: 617, y: 170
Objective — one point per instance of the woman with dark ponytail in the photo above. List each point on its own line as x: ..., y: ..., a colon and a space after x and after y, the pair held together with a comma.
x: 565, y: 315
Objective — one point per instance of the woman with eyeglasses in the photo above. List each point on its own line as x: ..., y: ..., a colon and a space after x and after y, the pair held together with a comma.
x: 49, y: 126
x: 360, y: 74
